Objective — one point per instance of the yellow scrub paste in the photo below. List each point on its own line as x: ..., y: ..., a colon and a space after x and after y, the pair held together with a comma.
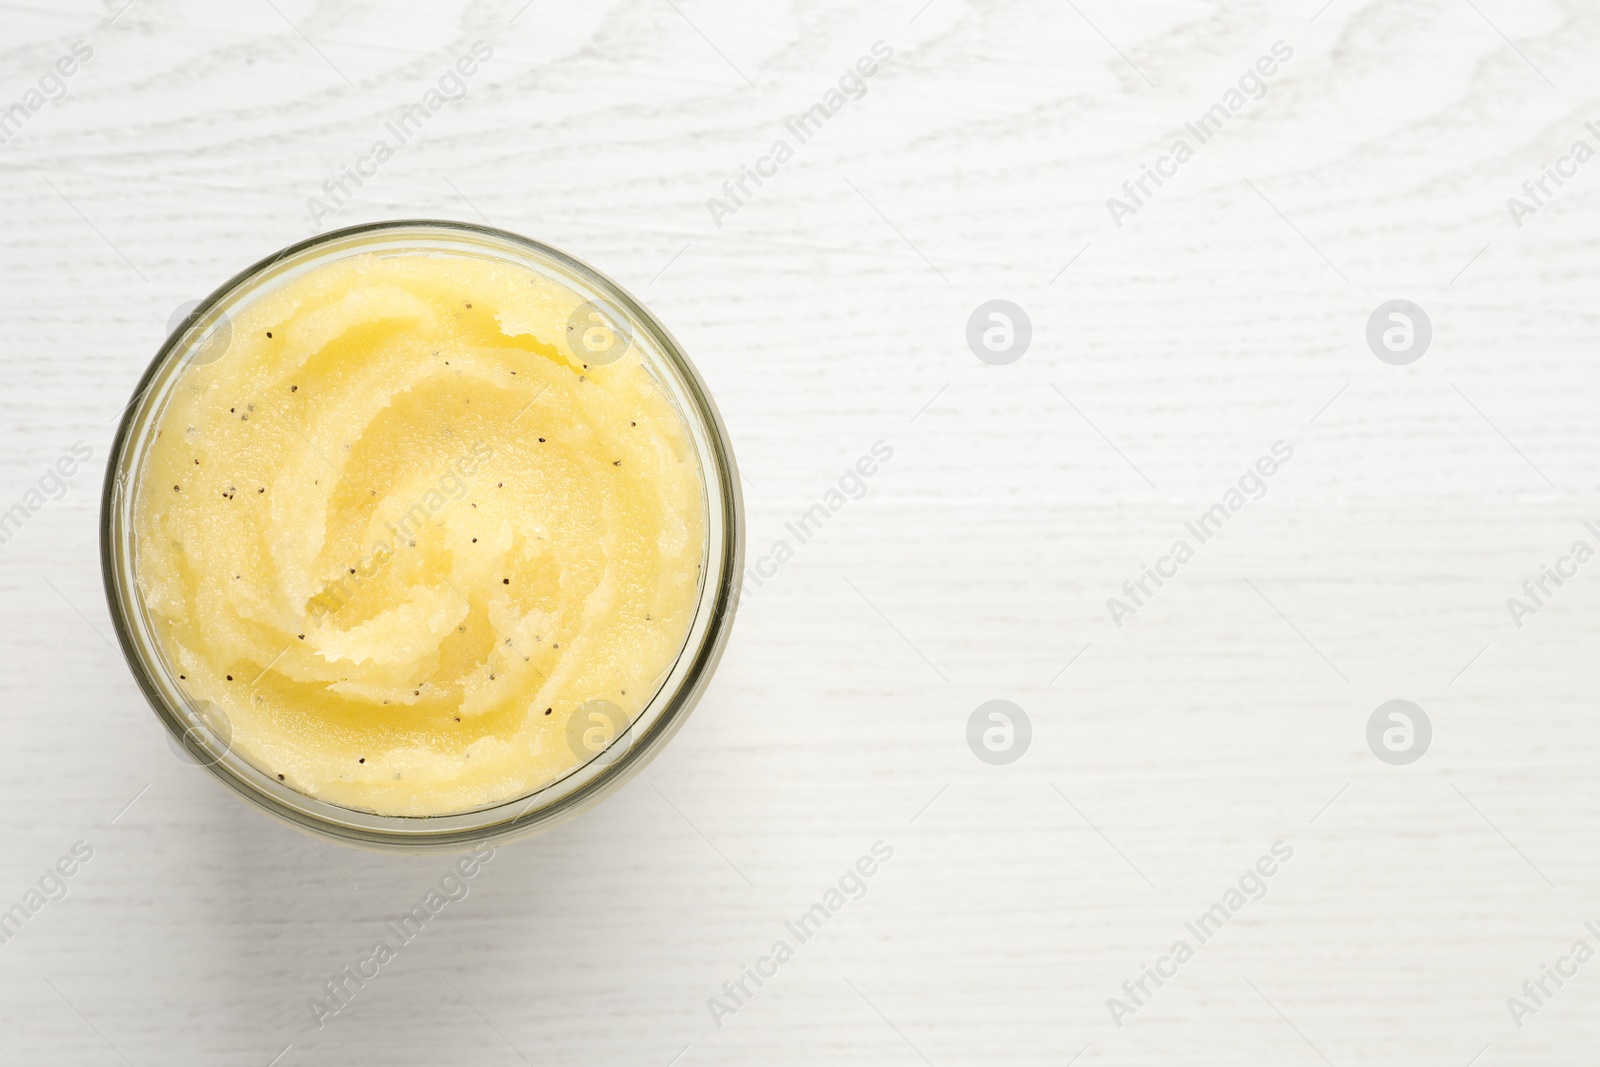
x: 398, y: 532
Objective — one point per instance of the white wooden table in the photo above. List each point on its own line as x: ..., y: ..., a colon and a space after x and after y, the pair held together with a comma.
x: 829, y: 312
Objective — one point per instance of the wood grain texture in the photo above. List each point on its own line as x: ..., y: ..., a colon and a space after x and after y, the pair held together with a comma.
x: 827, y: 313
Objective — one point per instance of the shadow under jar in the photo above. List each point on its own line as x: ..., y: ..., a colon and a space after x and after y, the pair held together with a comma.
x: 421, y: 533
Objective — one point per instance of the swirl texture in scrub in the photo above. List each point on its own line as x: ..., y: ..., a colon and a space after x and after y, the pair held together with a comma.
x: 397, y: 533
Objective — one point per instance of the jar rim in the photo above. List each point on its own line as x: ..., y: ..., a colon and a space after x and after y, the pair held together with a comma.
x: 568, y: 794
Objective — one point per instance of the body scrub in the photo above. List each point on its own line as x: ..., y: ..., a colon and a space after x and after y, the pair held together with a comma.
x: 422, y: 510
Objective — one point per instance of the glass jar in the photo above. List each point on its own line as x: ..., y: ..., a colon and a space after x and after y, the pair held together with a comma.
x: 205, y: 334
